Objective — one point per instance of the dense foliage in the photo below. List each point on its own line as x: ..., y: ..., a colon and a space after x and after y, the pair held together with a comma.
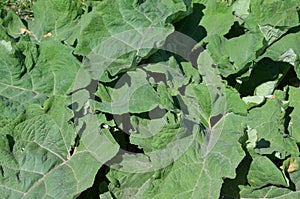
x: 149, y: 99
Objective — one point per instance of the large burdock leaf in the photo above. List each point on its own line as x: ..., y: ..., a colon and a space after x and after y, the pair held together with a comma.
x: 274, y: 191
x: 35, y: 81
x: 262, y: 13
x: 137, y: 29
x: 55, y: 18
x: 220, y: 13
x: 270, y: 137
x: 127, y: 15
x: 38, y: 159
x: 230, y: 59
x: 262, y: 19
x: 263, y: 172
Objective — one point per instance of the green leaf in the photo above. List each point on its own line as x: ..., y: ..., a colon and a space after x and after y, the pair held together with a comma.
x: 270, y: 130
x: 212, y: 98
x: 263, y: 172
x: 9, y: 108
x: 128, y: 15
x: 230, y: 59
x: 126, y: 96
x: 273, y: 191
x: 241, y: 8
x: 36, y: 155
x: 56, y: 19
x: 172, y: 76
x: 220, y: 13
x: 253, y: 101
x: 262, y: 15
x: 14, y: 25
x: 155, y: 133
x: 294, y: 126
x: 47, y: 78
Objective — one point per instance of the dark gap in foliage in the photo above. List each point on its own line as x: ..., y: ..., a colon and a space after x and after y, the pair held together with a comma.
x: 263, y: 71
x: 122, y: 133
x: 287, y: 120
x: 292, y: 186
x: 258, y: 105
x: 92, y: 88
x: 231, y: 80
x: 73, y: 106
x: 96, y: 98
x: 123, y: 80
x: 298, y: 10
x: 293, y: 29
x: 230, y: 189
x: 74, y: 46
x: 158, y: 77
x: 115, y: 80
x: 24, y: 22
x: 11, y: 142
x: 113, y: 195
x: 289, y: 79
x: 277, y: 162
x: 156, y: 113
x: 99, y: 186
x: 140, y: 2
x: 215, y: 119
x: 125, y: 143
x: 262, y: 143
x: 1, y: 171
x: 179, y: 45
x: 190, y: 32
x: 89, y: 9
x: 270, y: 185
x: 182, y: 89
x: 190, y: 24
x: 263, y: 49
x: 179, y: 104
x: 3, y: 12
x: 194, y: 56
x: 78, y: 57
x: 77, y: 139
x: 21, y: 58
x: 179, y: 60
x: 158, y: 56
x: 123, y: 122
x: 236, y: 30
x: 109, y: 117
